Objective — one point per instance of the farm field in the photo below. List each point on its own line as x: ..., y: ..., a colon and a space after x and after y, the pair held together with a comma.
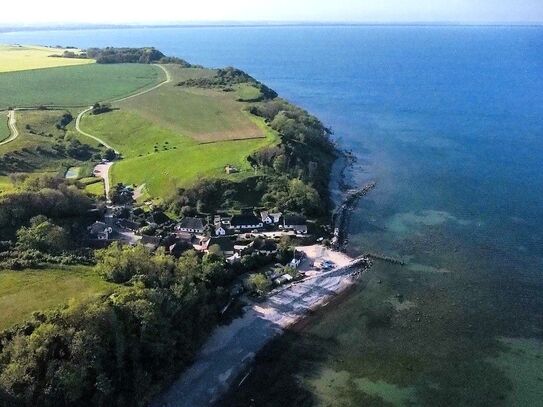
x: 23, y: 292
x: 4, y: 128
x: 177, y: 160
x: 22, y: 57
x: 75, y: 85
x: 206, y: 115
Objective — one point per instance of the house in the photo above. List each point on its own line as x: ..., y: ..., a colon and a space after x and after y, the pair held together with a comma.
x: 264, y: 247
x: 191, y: 225
x: 150, y: 242
x: 100, y: 231
x: 270, y: 218
x: 234, y: 258
x: 186, y: 237
x: 128, y: 224
x: 159, y: 217
x: 296, y: 223
x: 225, y: 244
x: 246, y: 222
x: 220, y: 231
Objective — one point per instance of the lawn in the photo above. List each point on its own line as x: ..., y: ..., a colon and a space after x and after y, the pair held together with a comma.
x: 5, y: 185
x: 22, y: 57
x: 4, y: 128
x: 206, y: 115
x: 80, y: 85
x: 23, y: 292
x: 164, y: 160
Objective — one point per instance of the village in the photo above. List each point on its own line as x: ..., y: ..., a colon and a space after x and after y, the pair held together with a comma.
x: 266, y: 242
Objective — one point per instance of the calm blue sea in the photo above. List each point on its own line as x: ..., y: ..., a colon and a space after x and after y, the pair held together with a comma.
x: 449, y: 122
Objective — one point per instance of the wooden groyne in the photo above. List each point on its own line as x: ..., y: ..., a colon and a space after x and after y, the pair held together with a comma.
x: 340, y: 218
x: 387, y: 259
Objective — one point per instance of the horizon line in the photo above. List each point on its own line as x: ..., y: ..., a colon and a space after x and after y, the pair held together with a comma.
x: 232, y: 23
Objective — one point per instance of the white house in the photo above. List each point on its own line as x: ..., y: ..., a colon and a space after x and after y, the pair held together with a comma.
x: 246, y: 222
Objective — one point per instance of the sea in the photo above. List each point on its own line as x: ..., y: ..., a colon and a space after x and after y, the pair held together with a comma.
x: 448, y: 121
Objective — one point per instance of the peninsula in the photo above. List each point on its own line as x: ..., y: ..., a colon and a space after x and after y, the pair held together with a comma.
x: 152, y: 212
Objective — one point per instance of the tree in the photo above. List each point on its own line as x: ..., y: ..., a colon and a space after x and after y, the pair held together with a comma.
x: 43, y: 235
x: 110, y: 154
x: 259, y: 283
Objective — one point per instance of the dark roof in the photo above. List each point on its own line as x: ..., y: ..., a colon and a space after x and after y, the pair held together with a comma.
x: 265, y: 244
x: 245, y: 219
x: 160, y: 217
x: 192, y: 223
x: 128, y: 224
x: 225, y: 243
x: 185, y: 236
x: 294, y: 220
x: 150, y: 240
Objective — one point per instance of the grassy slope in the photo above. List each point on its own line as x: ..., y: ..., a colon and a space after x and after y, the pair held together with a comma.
x: 206, y: 115
x: 75, y: 85
x: 4, y: 128
x: 18, y: 58
x: 23, y: 292
x: 166, y: 169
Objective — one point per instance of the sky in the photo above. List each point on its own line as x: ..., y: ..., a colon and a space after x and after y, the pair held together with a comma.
x: 29, y: 12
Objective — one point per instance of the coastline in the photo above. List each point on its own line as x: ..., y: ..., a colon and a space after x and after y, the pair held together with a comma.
x: 231, y: 349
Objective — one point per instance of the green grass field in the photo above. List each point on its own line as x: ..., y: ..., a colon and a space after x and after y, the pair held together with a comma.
x: 4, y: 128
x: 5, y: 185
x: 178, y: 160
x: 23, y: 292
x: 20, y: 58
x: 206, y: 115
x: 75, y: 85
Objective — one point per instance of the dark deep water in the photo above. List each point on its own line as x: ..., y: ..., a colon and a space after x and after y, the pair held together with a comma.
x: 449, y: 122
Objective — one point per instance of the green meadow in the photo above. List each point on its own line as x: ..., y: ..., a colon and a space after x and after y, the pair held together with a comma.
x: 164, y: 160
x: 80, y: 85
x: 23, y: 292
x: 206, y: 115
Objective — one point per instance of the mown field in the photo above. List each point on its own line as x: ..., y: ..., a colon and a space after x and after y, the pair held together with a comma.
x: 177, y: 160
x: 75, y: 85
x: 23, y: 57
x: 206, y: 115
x: 4, y: 129
x: 23, y: 292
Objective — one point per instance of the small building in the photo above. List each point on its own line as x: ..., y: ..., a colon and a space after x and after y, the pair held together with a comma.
x: 128, y: 224
x: 150, y: 242
x: 100, y: 231
x: 177, y: 248
x: 159, y: 217
x: 264, y: 247
x: 296, y: 223
x: 270, y: 218
x: 191, y: 225
x: 285, y: 278
x: 230, y: 169
x: 220, y: 231
x: 246, y: 222
x: 224, y: 243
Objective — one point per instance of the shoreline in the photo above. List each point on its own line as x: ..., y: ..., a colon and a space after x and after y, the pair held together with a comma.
x: 231, y: 349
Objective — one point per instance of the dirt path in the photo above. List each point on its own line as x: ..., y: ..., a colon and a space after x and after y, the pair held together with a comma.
x: 12, y: 124
x: 102, y: 142
x: 102, y: 171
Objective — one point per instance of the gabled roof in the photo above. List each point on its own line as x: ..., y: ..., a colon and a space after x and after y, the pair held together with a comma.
x: 294, y: 220
x: 192, y: 223
x: 97, y: 227
x: 150, y: 240
x: 128, y: 224
x: 160, y: 217
x: 225, y: 243
x: 245, y: 219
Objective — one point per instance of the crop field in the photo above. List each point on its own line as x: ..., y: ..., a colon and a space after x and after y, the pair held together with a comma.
x: 22, y: 57
x: 75, y: 85
x: 23, y: 292
x: 164, y: 160
x: 206, y: 115
x: 4, y: 129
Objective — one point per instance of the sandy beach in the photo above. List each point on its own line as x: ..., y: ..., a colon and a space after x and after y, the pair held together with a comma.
x: 230, y: 349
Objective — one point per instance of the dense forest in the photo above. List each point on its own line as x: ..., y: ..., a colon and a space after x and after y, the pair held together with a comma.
x: 112, y: 55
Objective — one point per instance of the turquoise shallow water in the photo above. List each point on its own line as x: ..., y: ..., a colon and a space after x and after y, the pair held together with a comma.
x: 449, y: 122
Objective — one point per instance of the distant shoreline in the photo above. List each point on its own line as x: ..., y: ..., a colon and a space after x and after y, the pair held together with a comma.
x: 233, y: 24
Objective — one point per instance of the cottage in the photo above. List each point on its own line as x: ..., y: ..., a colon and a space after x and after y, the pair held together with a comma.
x: 220, y: 231
x: 191, y: 225
x: 225, y: 244
x: 264, y: 247
x: 100, y: 231
x: 150, y: 242
x: 246, y: 222
x: 296, y: 223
